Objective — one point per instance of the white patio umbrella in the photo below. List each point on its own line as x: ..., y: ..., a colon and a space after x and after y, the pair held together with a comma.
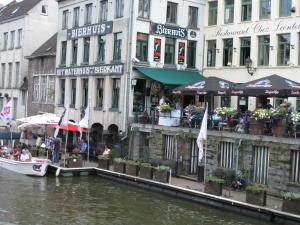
x: 42, y: 119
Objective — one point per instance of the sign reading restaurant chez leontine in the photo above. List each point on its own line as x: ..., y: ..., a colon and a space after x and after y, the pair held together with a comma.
x: 90, y: 30
x: 108, y: 69
x: 170, y: 31
x: 259, y: 28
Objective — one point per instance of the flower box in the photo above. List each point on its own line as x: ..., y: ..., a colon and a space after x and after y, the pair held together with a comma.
x: 279, y: 128
x: 161, y: 174
x: 256, y: 194
x: 145, y: 171
x: 256, y: 127
x: 119, y: 167
x: 291, y: 206
x: 103, y: 163
x: 214, y: 185
x: 131, y: 168
x: 74, y: 162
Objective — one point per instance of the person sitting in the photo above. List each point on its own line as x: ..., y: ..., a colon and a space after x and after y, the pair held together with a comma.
x: 29, y: 155
x: 24, y: 157
x: 106, y: 150
x: 16, y: 153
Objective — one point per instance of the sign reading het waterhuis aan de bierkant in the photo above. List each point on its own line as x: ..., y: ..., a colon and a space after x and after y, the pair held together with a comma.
x: 157, y: 48
x: 109, y: 69
x: 90, y: 30
x: 181, y: 53
x: 170, y: 31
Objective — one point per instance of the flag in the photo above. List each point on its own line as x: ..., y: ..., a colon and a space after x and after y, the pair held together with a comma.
x: 84, y: 123
x: 62, y: 121
x: 202, y: 136
x: 6, y: 113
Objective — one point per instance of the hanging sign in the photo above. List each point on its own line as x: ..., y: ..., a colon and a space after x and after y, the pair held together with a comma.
x: 157, y: 50
x: 181, y: 53
x: 169, y: 31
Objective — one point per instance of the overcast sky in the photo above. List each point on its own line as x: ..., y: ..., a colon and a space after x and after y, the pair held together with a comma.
x: 4, y: 2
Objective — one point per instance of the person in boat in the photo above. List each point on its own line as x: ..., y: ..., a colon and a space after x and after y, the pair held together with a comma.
x: 29, y: 155
x: 24, y: 157
x: 16, y: 153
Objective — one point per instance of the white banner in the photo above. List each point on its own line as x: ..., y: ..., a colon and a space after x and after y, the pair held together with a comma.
x: 6, y: 114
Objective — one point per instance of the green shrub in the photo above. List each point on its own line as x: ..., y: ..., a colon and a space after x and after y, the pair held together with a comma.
x: 291, y: 195
x: 256, y: 188
x: 162, y: 168
x: 131, y: 162
x: 119, y: 160
x: 112, y: 154
x: 103, y: 157
x: 77, y: 156
x: 215, y: 179
x: 147, y: 165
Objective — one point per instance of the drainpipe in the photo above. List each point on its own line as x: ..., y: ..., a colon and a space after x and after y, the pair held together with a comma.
x: 128, y: 70
x: 237, y: 155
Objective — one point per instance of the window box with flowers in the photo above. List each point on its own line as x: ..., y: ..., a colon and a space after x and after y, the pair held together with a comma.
x: 278, y: 117
x: 256, y: 194
x: 257, y: 121
x: 291, y: 202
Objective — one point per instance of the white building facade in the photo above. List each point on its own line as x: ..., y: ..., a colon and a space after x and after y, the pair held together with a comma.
x: 24, y: 26
x: 104, y: 45
x: 265, y: 31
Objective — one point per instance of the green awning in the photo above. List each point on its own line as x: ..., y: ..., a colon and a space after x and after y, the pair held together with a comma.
x: 170, y: 77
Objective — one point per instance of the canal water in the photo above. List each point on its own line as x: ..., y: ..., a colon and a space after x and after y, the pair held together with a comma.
x: 93, y: 200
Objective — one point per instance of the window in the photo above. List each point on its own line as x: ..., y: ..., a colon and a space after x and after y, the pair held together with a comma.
x: 36, y: 89
x: 245, y: 50
x: 43, y: 89
x: 285, y: 8
x: 62, y: 87
x: 99, y: 93
x: 44, y: 10
x: 295, y: 167
x: 65, y: 19
x: 229, y: 11
x: 144, y: 9
x: 117, y: 46
x: 3, y: 73
x: 86, y: 50
x: 103, y: 10
x: 225, y: 101
x: 19, y: 42
x: 211, y: 53
x: 101, y: 48
x: 246, y: 10
x: 265, y: 9
x: 170, y: 51
x: 10, y: 68
x: 172, y: 12
x: 74, y: 51
x: 51, y: 89
x: 85, y: 92
x: 227, y: 155
x: 12, y: 40
x: 5, y: 40
x: 119, y: 8
x: 63, y: 53
x: 76, y: 17
x: 170, y: 147
x: 193, y: 17
x: 283, y: 57
x: 73, y: 93
x: 17, y: 74
x: 115, y: 93
x: 212, y: 13
x: 263, y: 50
x: 1, y: 102
x: 15, y: 108
x: 261, y: 164
x: 88, y: 14
x: 227, y: 52
x: 142, y: 47
x: 191, y: 54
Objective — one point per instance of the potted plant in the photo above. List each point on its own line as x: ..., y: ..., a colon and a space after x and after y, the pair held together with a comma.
x: 146, y: 170
x: 74, y: 161
x: 291, y: 202
x: 257, y: 121
x: 34, y: 151
x: 256, y: 194
x: 161, y: 174
x: 103, y: 162
x: 119, y: 165
x: 131, y: 167
x: 214, y: 185
x: 278, y: 116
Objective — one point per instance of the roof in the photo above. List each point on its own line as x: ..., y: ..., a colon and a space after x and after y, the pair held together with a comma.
x: 16, y: 9
x: 170, y: 77
x: 47, y: 49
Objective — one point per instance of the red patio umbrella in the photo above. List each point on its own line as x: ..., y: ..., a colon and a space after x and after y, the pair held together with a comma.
x: 71, y: 126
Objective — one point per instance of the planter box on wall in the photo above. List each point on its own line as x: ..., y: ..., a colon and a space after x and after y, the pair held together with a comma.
x: 145, y: 172
x: 291, y: 206
x: 161, y: 175
x: 279, y: 128
x: 119, y: 167
x: 103, y: 164
x: 259, y: 198
x: 213, y: 188
x: 131, y: 169
x: 256, y: 127
x: 74, y: 162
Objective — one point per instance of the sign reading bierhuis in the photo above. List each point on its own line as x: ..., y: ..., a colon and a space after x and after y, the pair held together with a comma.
x: 90, y: 30
x: 108, y: 69
x: 259, y: 28
x: 169, y: 31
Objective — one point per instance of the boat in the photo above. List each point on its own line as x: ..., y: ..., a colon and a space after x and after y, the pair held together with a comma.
x: 37, y: 167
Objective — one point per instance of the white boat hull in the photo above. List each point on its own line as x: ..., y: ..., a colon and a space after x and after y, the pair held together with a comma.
x: 38, y: 167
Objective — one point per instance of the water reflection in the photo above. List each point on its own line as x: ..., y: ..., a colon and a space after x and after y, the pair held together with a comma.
x: 92, y: 200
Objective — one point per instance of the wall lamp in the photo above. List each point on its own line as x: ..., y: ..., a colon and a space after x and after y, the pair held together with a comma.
x: 292, y: 46
x: 218, y: 50
x: 249, y: 66
x: 271, y: 47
